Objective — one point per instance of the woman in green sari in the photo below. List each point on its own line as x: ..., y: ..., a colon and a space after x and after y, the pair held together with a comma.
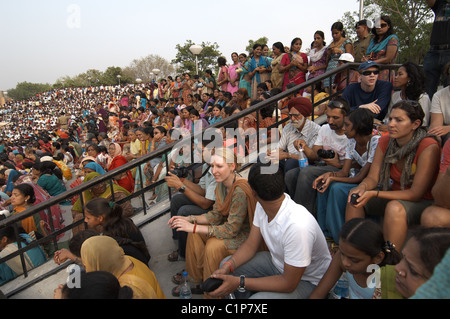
x: 100, y: 190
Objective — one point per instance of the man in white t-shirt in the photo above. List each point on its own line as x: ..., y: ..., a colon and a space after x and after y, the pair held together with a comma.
x: 440, y: 114
x: 297, y: 255
x: 331, y: 138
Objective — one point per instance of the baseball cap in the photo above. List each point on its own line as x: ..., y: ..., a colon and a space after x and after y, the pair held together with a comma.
x: 368, y: 64
x: 346, y: 57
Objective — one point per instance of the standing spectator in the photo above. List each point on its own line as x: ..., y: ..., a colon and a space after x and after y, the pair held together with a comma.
x: 438, y: 56
x: 258, y: 69
x: 318, y: 56
x: 340, y: 45
x: 222, y: 79
x: 383, y: 48
x: 362, y: 42
x: 294, y: 64
x: 233, y: 77
x: 276, y: 76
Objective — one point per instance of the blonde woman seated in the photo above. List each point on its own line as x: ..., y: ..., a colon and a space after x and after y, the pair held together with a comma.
x: 218, y: 233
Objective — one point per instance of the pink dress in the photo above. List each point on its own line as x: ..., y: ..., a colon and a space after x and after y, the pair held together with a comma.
x: 234, y: 76
x: 222, y: 72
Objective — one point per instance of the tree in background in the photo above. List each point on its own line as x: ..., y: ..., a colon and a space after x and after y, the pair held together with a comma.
x: 412, y: 21
x: 142, y: 68
x: 207, y: 59
x: 262, y: 40
x: 26, y: 90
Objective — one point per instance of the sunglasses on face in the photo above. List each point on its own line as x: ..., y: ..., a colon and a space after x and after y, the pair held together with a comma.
x: 383, y: 25
x: 366, y: 73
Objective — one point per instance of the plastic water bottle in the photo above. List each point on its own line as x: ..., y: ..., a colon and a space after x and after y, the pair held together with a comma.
x: 340, y: 290
x: 303, y: 160
x: 185, y: 289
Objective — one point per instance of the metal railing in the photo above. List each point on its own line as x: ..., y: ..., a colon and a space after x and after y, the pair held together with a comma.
x: 136, y: 163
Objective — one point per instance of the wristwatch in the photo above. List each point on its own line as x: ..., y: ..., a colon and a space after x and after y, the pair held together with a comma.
x: 242, y: 284
x: 182, y: 189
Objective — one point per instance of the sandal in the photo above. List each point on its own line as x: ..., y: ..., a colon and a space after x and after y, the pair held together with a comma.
x: 177, y: 279
x: 174, y: 256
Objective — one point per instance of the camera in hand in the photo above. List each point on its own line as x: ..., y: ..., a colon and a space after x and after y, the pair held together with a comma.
x: 320, y: 185
x: 325, y: 153
x: 211, y: 284
x: 181, y: 172
x: 353, y: 198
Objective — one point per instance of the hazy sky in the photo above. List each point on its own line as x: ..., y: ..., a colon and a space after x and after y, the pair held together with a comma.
x: 42, y: 41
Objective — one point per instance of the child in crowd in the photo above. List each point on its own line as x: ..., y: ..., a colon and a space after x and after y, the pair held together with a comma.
x: 361, y: 245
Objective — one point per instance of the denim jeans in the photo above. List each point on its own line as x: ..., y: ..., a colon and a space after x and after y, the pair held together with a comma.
x: 433, y: 66
x: 261, y: 265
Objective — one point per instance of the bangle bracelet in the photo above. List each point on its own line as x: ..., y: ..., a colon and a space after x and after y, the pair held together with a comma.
x: 195, y: 227
x: 231, y: 267
x: 378, y: 192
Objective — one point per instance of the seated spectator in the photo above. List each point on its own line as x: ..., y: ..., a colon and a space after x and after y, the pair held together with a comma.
x: 346, y: 77
x: 417, y: 252
x: 440, y: 113
x: 100, y: 190
x: 362, y: 245
x: 103, y: 253
x: 409, y: 157
x: 298, y: 128
x: 23, y: 197
x: 13, y: 267
x: 331, y: 137
x: 371, y: 93
x: 198, y: 123
x: 216, y: 114
x: 333, y: 187
x: 215, y: 234
x: 135, y: 145
x: 410, y: 79
x: 107, y: 218
x: 287, y: 270
x: 437, y: 286
x: 438, y: 214
x: 94, y: 285
x: 116, y: 160
x: 47, y: 175
x: 192, y: 199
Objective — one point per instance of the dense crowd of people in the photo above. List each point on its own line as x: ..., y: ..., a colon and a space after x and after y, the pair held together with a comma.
x: 377, y: 157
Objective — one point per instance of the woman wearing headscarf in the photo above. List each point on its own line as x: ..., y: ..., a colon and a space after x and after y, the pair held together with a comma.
x: 116, y: 159
x: 103, y: 253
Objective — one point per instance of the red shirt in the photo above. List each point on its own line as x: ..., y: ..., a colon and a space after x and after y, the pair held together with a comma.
x: 397, y: 173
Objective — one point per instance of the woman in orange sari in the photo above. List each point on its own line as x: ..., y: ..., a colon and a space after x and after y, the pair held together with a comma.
x: 116, y: 160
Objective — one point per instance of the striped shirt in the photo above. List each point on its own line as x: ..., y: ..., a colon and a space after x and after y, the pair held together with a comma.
x: 290, y: 134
